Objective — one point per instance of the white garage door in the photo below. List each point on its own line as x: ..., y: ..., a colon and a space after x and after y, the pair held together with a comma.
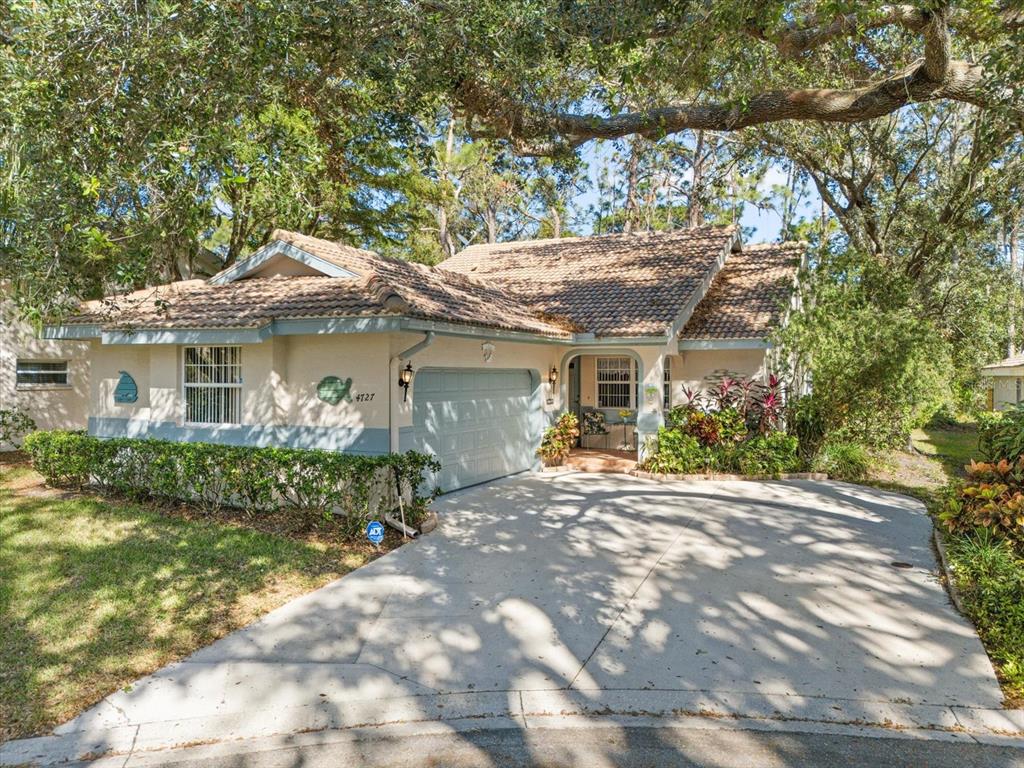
x: 478, y: 423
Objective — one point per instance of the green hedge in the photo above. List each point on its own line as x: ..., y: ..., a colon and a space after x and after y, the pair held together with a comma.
x: 349, y: 489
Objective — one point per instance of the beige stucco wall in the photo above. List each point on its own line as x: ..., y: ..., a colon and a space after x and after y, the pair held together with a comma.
x: 52, y: 407
x: 696, y: 369
x: 280, y: 377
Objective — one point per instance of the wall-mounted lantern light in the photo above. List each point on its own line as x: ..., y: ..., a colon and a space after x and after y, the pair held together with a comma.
x: 404, y: 380
x: 553, y: 376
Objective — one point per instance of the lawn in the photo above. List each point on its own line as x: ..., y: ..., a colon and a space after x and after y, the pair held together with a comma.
x: 96, y: 593
x: 954, y: 446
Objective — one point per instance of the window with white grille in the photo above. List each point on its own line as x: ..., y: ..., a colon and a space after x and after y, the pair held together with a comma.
x: 34, y: 373
x: 213, y: 385
x: 616, y: 382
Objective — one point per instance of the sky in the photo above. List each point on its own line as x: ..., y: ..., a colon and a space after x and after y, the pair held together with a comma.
x: 765, y: 223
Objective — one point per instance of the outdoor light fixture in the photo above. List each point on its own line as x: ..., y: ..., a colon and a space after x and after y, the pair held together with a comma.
x: 404, y: 380
x: 553, y: 376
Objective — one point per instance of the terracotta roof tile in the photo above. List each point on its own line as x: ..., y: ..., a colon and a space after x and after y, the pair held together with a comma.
x: 748, y: 296
x: 610, y: 285
x: 384, y: 287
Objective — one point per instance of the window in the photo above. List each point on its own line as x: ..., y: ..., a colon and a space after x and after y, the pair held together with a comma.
x: 667, y: 386
x: 213, y: 385
x: 616, y: 382
x: 31, y: 373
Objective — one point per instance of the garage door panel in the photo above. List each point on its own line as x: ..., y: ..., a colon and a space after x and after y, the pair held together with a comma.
x: 478, y: 422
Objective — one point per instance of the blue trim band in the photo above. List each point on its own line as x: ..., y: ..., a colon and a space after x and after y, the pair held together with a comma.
x: 363, y: 441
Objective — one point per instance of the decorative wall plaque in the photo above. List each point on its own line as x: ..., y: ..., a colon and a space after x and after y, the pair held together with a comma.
x: 333, y: 390
x: 126, y: 390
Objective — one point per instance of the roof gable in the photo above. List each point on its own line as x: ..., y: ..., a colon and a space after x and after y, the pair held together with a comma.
x: 280, y: 258
x: 747, y: 298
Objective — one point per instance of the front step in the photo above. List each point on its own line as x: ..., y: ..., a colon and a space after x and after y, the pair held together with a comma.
x: 593, y: 460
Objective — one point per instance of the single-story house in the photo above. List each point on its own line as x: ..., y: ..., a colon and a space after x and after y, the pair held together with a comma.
x: 1007, y: 382
x: 310, y: 343
x: 46, y: 378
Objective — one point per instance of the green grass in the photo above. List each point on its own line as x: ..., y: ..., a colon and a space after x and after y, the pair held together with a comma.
x: 95, y: 593
x: 953, y: 446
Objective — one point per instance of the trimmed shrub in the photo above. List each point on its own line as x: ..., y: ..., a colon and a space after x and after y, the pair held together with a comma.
x: 844, y: 461
x: 347, y: 489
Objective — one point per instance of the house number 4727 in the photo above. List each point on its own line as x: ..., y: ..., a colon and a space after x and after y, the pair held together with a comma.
x: 364, y: 397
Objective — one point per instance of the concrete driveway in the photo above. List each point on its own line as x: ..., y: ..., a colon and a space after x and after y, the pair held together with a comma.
x: 547, y: 596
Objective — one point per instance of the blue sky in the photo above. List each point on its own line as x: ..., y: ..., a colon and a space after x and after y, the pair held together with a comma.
x: 765, y: 223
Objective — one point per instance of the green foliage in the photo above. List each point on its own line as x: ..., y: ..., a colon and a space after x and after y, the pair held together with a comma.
x: 1001, y: 434
x: 807, y: 423
x: 878, y: 363
x: 349, y: 489
x: 991, y: 498
x: 843, y: 460
x: 774, y: 453
x: 989, y: 574
x: 559, y: 439
x: 14, y: 425
x: 712, y: 428
x: 678, y: 453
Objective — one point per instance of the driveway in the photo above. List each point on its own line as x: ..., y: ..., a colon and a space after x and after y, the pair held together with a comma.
x: 543, y: 596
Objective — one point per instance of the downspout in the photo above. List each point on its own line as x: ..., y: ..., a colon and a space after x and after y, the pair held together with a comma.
x: 393, y: 365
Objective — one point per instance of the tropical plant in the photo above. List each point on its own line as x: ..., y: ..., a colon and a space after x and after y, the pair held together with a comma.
x: 724, y: 393
x: 678, y: 453
x: 769, y: 405
x: 14, y: 425
x: 806, y: 422
x: 844, y: 460
x: 992, y: 497
x: 773, y: 453
x: 1001, y: 435
x: 559, y: 439
x: 594, y: 423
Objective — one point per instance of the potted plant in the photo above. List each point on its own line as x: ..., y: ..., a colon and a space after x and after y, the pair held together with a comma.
x: 558, y: 440
x: 652, y: 392
x: 627, y: 416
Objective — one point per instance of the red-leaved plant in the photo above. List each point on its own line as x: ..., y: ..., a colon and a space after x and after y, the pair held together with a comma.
x: 770, y: 405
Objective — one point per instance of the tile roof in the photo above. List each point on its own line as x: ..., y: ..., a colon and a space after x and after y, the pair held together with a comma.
x: 384, y: 287
x: 748, y: 296
x: 609, y: 285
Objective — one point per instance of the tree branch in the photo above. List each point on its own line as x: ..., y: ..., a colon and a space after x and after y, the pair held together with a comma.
x: 541, y: 132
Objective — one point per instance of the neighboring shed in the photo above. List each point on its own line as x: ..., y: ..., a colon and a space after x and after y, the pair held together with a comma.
x: 1007, y: 377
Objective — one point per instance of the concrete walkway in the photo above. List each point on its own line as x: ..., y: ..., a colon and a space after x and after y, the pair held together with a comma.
x: 545, y: 596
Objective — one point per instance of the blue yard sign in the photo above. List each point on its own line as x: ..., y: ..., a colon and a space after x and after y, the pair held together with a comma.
x: 375, y: 532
